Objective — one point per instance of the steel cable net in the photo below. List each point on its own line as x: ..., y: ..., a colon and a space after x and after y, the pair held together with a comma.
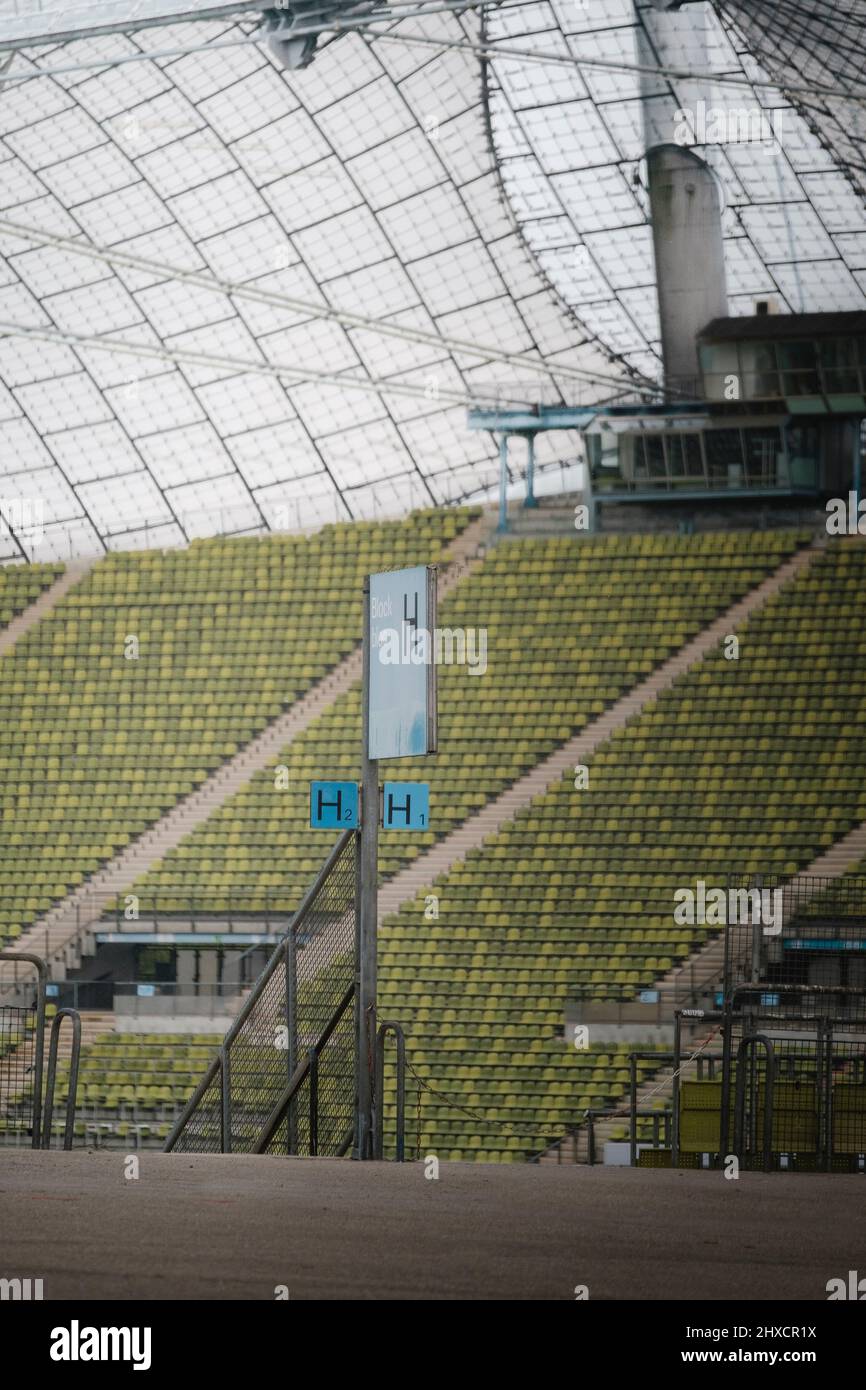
x: 271, y: 1042
x: 820, y: 41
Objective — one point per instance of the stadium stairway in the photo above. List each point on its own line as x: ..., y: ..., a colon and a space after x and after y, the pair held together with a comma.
x: 95, y: 1023
x: 653, y: 1093
x: 551, y: 516
x: 64, y: 934
x: 706, y: 965
x: 439, y: 858
x: 28, y: 617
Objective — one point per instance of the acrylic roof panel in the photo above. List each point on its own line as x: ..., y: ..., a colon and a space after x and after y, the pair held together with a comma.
x: 819, y: 41
x: 325, y: 195
x: 570, y: 154
x: 232, y: 293
x: 39, y: 20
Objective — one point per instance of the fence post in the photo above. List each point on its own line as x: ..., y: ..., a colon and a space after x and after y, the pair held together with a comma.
x: 632, y: 1100
x: 314, y: 1101
x: 225, y: 1101
x: 379, y: 1130
x: 675, y: 1092
x: 291, y: 970
x: 367, y: 908
x: 73, y: 1076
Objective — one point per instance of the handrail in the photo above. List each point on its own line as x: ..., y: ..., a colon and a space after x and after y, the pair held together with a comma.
x: 747, y: 1043
x: 304, y: 1069
x: 69, y: 1127
x: 379, y: 1094
x: 276, y: 957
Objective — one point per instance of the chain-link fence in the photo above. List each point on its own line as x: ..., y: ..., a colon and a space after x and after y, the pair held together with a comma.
x: 284, y: 1079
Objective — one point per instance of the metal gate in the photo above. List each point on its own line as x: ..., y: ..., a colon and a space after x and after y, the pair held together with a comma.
x: 284, y: 1079
x: 22, y: 1034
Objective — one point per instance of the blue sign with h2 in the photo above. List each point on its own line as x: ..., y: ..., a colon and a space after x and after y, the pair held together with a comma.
x: 406, y: 806
x: 334, y: 805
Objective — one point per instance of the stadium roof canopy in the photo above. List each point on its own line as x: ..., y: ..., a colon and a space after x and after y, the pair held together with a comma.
x: 237, y: 295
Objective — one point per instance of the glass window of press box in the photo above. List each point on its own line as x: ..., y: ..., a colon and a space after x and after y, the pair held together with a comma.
x: 769, y: 456
x: 812, y: 376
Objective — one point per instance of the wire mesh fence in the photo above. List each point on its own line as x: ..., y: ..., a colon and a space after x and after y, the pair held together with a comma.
x: 288, y: 1062
x: 22, y: 1015
x: 791, y: 1094
x: 808, y: 931
x: 17, y: 1068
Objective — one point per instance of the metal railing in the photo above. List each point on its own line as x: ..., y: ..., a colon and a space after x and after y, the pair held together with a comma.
x: 75, y: 1057
x: 296, y: 1027
x: 746, y: 1050
x: 22, y: 1047
x: 379, y: 1092
x: 146, y: 998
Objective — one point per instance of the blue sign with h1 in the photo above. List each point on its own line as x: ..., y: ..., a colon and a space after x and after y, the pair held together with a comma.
x: 406, y: 806
x: 334, y: 805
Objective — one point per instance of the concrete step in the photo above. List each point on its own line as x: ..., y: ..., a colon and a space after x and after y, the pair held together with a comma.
x: 74, y: 572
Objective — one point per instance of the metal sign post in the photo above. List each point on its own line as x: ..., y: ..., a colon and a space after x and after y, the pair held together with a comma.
x: 398, y: 713
x: 368, y: 860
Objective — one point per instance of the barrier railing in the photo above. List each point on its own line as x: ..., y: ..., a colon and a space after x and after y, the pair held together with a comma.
x: 248, y: 1101
x: 75, y: 1057
x: 22, y: 1046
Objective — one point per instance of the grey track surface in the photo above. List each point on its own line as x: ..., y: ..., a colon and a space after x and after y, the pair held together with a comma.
x: 217, y: 1227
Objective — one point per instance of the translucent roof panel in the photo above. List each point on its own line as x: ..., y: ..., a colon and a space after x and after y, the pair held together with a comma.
x: 570, y: 145
x: 235, y: 296
x: 820, y: 43
x: 24, y: 21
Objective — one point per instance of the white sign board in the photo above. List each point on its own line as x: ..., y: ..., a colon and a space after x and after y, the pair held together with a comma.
x: 402, y: 714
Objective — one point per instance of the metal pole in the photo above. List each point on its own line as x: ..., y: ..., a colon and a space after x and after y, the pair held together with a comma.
x: 675, y: 1093
x: 314, y: 1102
x: 725, y: 1107
x: 69, y: 1126
x: 503, y: 483
x: 531, y: 500
x: 379, y: 1130
x: 757, y: 938
x: 632, y: 1100
x: 367, y: 907
x: 823, y: 1090
x: 292, y: 1036
x: 226, y: 1100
